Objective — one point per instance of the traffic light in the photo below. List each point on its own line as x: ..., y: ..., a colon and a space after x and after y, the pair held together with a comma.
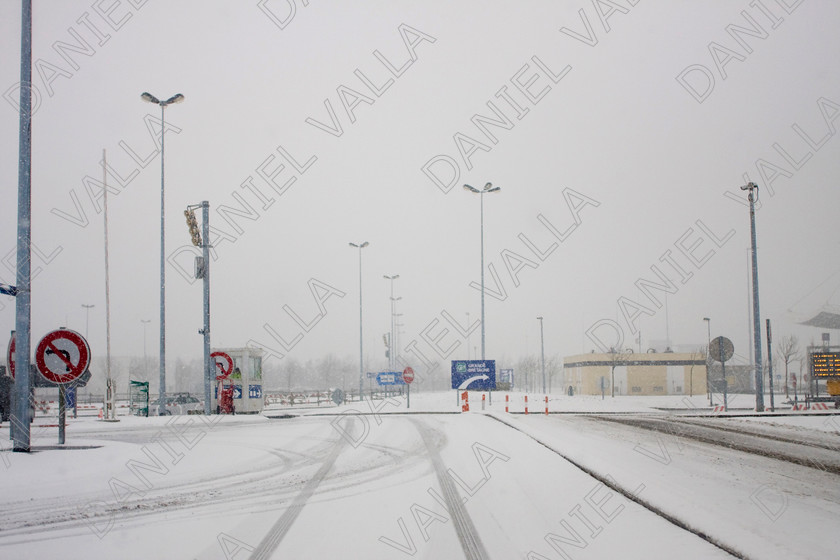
x: 192, y: 223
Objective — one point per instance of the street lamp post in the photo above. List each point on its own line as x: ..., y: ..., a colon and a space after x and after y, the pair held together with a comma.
x: 708, y: 358
x: 392, y: 357
x: 468, y: 335
x: 488, y: 188
x: 542, y: 351
x: 752, y: 189
x: 361, y: 351
x: 87, y: 316
x: 145, y: 360
x: 177, y: 98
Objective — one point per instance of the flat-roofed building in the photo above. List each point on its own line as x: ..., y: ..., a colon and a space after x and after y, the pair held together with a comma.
x: 667, y: 373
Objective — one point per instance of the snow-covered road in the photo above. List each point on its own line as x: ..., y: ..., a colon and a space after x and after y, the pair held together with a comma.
x: 348, y: 485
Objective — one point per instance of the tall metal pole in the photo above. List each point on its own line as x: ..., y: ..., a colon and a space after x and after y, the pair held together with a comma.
x: 542, y: 352
x: 87, y: 316
x: 205, y: 253
x: 145, y: 359
x: 110, y: 408
x: 759, y: 377
x: 468, y: 335
x: 481, y: 196
x: 392, y: 356
x: 162, y: 397
x: 361, y: 350
x: 24, y: 231
x: 177, y: 98
x: 770, y: 366
x: 708, y: 359
x: 488, y: 188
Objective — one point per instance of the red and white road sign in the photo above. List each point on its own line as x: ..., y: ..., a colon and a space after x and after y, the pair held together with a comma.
x: 224, y: 363
x: 10, y: 356
x: 408, y: 375
x: 62, y: 356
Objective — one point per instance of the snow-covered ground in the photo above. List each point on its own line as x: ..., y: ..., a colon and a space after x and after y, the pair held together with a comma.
x: 369, y: 481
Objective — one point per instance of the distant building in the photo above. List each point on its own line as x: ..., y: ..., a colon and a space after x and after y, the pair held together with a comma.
x: 636, y: 374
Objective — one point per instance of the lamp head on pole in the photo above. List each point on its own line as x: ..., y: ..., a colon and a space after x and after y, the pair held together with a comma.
x: 488, y: 188
x: 146, y: 96
x: 177, y: 98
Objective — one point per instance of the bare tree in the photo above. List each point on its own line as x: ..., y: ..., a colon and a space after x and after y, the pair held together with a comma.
x: 526, y: 370
x: 789, y: 351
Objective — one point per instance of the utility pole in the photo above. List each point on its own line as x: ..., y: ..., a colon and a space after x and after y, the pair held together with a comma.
x: 759, y: 378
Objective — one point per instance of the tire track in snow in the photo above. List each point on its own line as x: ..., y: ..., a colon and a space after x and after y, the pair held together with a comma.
x: 467, y: 535
x: 631, y: 495
x: 817, y: 457
x: 275, y: 535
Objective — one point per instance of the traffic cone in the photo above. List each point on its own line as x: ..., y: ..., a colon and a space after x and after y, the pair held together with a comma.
x: 101, y: 414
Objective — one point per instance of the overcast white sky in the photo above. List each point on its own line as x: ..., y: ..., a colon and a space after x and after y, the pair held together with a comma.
x: 599, y: 140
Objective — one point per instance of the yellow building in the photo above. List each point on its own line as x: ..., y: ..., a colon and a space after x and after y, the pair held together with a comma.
x: 635, y: 374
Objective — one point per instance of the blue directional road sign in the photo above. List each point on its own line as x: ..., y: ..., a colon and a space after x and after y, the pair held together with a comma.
x: 390, y: 378
x: 475, y: 375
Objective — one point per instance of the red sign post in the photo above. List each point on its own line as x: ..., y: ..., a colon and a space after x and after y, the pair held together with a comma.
x: 408, y: 377
x: 61, y: 357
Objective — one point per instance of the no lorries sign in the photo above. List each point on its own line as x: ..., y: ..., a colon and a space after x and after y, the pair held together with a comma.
x: 62, y: 356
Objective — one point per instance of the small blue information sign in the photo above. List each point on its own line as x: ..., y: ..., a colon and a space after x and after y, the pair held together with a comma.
x: 475, y: 375
x: 390, y: 378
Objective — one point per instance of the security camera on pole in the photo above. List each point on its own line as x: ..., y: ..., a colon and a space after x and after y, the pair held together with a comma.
x: 752, y: 189
x: 202, y: 270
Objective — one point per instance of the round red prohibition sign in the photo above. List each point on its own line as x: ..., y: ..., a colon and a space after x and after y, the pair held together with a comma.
x: 62, y: 356
x: 408, y: 375
x: 226, y: 371
x: 10, y: 356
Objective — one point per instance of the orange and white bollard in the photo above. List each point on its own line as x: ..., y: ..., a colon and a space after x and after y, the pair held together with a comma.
x: 482, y: 400
x: 507, y: 402
x: 546, y: 405
x: 526, y: 404
x: 465, y: 396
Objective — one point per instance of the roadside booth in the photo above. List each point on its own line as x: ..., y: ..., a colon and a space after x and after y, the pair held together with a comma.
x: 240, y: 369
